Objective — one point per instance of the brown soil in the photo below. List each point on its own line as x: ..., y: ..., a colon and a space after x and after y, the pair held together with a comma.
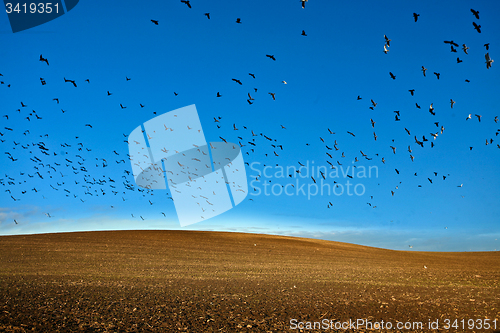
x: 170, y: 281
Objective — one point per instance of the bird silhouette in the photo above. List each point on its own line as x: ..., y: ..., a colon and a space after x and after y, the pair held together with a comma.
x: 423, y: 70
x: 186, y: 2
x: 43, y: 59
x: 207, y: 15
x: 477, y: 27
x: 465, y: 48
x: 387, y: 40
x: 451, y: 42
x: 155, y: 22
x: 431, y: 109
x: 72, y: 81
x: 271, y: 57
x: 475, y: 13
x: 415, y: 16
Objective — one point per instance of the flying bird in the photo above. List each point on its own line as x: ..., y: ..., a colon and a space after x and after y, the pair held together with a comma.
x: 43, y: 59
x: 431, y: 110
x: 392, y: 76
x: 207, y: 15
x: 475, y: 12
x: 423, y: 70
x: 387, y: 40
x: 237, y: 81
x: 437, y: 75
x: 304, y: 3
x: 186, y: 2
x: 415, y: 16
x: 272, y: 94
x: 412, y: 91
x: 451, y: 42
x: 487, y: 46
x: 477, y: 27
x: 72, y: 81
x: 271, y: 56
x: 303, y: 33
x: 155, y: 22
x: 238, y: 20
x: 452, y: 102
x: 489, y: 61
x: 465, y: 48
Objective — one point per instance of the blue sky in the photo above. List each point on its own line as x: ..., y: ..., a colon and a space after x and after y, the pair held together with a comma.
x: 340, y: 59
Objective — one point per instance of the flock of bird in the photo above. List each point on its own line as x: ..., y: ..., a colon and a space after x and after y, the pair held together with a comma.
x: 74, y: 163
